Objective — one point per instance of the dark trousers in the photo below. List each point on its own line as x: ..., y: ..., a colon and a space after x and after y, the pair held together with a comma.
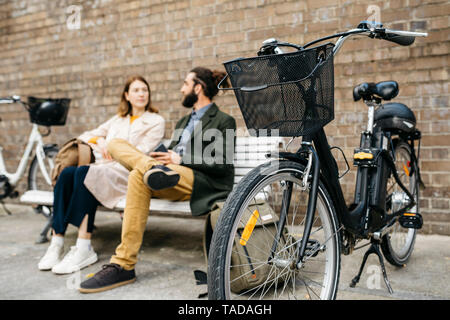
x: 72, y: 200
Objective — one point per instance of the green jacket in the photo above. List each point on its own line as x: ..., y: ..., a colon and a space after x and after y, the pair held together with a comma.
x: 210, y: 154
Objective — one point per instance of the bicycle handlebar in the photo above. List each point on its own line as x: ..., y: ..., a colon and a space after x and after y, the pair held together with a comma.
x: 9, y: 100
x: 12, y: 99
x: 407, y: 33
x: 404, y: 38
x: 371, y: 29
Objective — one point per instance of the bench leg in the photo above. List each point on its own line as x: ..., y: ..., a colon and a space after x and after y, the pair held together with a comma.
x: 43, y: 235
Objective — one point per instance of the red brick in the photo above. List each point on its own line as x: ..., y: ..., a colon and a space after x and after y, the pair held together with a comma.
x: 433, y: 10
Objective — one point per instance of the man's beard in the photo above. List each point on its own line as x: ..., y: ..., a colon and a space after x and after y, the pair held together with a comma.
x: 190, y: 99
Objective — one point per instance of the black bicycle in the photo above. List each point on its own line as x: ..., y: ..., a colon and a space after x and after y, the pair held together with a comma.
x: 283, y: 228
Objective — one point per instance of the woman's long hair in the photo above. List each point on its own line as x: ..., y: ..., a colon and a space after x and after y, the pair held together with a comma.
x: 125, y: 107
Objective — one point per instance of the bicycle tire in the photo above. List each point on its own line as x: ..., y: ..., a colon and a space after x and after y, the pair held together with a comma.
x: 35, y: 182
x: 398, y: 245
x: 226, y: 229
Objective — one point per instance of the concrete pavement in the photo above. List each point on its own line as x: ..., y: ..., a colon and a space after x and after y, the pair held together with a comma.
x: 172, y: 249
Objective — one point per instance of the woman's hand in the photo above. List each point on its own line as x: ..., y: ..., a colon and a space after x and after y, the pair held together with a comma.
x: 166, y: 158
x: 101, y: 147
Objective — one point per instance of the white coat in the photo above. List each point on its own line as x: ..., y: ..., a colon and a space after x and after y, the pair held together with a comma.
x: 107, y: 180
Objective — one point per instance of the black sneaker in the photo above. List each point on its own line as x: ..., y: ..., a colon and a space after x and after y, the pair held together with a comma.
x: 160, y: 177
x: 111, y: 276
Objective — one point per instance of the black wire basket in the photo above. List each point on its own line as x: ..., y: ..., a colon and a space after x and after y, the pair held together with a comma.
x: 290, y: 94
x: 48, y: 112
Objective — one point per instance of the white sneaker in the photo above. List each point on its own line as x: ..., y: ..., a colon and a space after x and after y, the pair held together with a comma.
x: 75, y: 260
x: 51, y: 258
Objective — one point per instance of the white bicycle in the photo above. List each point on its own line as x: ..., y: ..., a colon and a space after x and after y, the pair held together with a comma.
x: 43, y: 112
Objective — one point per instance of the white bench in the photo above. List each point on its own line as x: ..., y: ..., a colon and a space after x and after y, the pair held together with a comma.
x: 249, y: 153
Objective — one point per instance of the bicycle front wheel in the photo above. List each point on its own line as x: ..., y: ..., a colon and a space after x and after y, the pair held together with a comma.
x: 257, y: 264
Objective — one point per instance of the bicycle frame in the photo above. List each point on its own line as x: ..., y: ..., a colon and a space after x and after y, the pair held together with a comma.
x: 325, y: 165
x: 35, y: 138
x: 330, y: 175
x: 324, y: 168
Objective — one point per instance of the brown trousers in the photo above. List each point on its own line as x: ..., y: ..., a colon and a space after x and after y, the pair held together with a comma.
x: 138, y: 198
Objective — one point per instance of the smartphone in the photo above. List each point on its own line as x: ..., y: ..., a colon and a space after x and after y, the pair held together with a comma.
x: 161, y: 148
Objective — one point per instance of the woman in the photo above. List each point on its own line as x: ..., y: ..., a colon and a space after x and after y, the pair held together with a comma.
x: 79, y: 190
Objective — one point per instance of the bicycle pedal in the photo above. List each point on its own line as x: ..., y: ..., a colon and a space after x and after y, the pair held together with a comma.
x: 312, y: 248
x: 411, y: 220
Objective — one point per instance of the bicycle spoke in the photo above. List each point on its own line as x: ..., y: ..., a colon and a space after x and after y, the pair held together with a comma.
x: 307, y: 286
x: 257, y: 287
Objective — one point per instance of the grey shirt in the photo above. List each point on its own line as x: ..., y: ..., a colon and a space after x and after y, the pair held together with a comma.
x: 180, y: 148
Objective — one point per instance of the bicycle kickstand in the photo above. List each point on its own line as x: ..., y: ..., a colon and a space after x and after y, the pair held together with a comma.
x: 374, y: 248
x: 43, y: 235
x: 5, y: 208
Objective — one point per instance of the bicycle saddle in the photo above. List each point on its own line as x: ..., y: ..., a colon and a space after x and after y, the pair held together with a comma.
x: 385, y: 90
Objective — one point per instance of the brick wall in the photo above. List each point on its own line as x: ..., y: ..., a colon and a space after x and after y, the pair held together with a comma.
x: 42, y: 55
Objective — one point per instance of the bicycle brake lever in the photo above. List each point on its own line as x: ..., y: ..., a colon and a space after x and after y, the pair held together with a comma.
x: 270, y: 46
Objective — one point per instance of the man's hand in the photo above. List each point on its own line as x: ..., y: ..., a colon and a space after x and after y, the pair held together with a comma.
x: 166, y: 158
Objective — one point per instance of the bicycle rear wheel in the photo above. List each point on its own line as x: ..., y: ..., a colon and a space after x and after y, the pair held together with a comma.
x: 260, y: 195
x: 398, y: 244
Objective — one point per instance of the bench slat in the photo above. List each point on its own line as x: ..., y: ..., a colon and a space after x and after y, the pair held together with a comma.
x: 240, y: 172
x: 250, y: 156
x: 250, y: 152
x: 46, y: 198
x: 249, y: 163
x: 37, y: 197
x: 256, y: 147
x: 258, y: 140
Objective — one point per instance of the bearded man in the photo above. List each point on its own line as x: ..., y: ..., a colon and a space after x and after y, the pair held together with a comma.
x: 198, y: 166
